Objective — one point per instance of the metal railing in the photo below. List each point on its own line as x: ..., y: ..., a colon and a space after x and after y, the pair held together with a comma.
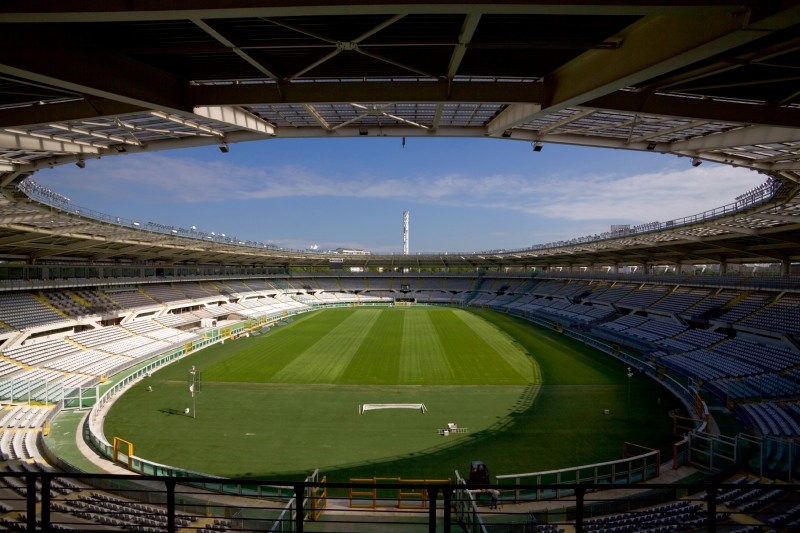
x: 48, y: 501
x: 628, y: 470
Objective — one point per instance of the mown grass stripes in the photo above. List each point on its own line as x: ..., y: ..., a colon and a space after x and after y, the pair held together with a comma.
x: 258, y: 360
x: 328, y: 358
x: 417, y: 346
x: 378, y: 357
x: 504, y: 346
x: 423, y: 356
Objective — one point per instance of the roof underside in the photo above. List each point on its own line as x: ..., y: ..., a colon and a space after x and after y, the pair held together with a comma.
x: 714, y: 80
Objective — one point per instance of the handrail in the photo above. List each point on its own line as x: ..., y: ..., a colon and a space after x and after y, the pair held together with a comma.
x: 576, y: 468
x: 34, y: 490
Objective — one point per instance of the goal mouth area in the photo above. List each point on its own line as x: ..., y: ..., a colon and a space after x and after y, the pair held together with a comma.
x: 375, y: 406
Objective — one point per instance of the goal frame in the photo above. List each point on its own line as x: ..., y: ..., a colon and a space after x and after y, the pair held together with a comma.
x: 363, y: 408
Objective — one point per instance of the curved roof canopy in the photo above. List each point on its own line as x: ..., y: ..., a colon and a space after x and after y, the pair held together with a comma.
x: 714, y: 80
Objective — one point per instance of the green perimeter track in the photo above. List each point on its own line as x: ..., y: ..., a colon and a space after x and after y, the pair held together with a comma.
x: 281, y: 404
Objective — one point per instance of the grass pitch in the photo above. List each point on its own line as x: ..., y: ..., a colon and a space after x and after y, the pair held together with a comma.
x: 281, y: 404
x: 381, y: 346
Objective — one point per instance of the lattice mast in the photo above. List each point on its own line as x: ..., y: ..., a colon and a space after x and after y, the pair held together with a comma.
x: 405, y: 232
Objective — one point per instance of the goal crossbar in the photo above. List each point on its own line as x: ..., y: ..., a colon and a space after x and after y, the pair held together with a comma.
x: 373, y: 406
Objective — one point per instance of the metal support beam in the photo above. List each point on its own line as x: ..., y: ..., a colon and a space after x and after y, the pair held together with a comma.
x: 510, y: 117
x: 46, y: 113
x: 15, y: 139
x: 655, y: 46
x: 753, y: 135
x: 365, y: 91
x: 464, y: 38
x: 52, y: 57
x: 235, y: 49
x: 697, y: 108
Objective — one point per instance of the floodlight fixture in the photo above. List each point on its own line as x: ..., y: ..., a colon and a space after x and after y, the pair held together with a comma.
x: 537, y: 146
x: 506, y: 133
x: 223, y: 147
x: 696, y: 162
x: 651, y: 146
x: 363, y: 131
x: 80, y: 163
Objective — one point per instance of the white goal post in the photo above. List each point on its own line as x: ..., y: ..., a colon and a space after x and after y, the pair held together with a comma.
x: 373, y: 406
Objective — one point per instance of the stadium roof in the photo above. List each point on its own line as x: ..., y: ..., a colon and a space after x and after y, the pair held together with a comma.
x: 714, y: 80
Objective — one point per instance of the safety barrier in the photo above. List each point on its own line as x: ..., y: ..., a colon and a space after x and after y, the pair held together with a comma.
x: 49, y: 501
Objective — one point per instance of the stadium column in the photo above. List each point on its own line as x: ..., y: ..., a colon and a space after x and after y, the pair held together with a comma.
x: 170, y: 488
x: 30, y: 482
x: 299, y: 491
x: 723, y: 268
x: 44, y: 516
x: 580, y: 492
x: 711, y: 503
x: 786, y: 267
x: 447, y: 495
x: 433, y: 492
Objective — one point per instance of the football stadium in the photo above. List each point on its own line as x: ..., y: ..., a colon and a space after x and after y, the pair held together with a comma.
x: 165, y: 378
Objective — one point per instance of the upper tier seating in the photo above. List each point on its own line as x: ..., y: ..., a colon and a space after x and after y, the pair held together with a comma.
x: 610, y: 294
x: 24, y: 311
x: 715, y: 301
x: 131, y: 299
x: 744, y: 307
x: 680, y: 300
x: 642, y: 298
x: 164, y: 293
x: 782, y: 316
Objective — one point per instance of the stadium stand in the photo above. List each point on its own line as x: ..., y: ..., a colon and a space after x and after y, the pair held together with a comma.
x: 642, y: 298
x: 758, y: 373
x: 25, y: 311
x: 782, y: 316
x: 712, y: 303
x: 679, y: 300
x: 697, y: 348
x: 130, y: 299
x: 742, y: 306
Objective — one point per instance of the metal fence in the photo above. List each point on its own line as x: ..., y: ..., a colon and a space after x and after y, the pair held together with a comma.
x: 48, y: 501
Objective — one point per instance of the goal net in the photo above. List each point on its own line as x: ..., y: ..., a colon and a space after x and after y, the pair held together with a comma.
x: 373, y: 406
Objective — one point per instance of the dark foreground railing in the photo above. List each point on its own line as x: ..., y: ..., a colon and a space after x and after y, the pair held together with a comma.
x: 46, y: 501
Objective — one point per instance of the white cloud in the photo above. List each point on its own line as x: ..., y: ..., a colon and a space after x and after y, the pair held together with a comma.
x: 631, y: 197
x: 645, y: 197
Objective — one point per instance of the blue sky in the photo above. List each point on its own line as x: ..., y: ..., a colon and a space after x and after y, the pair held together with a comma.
x: 462, y: 194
